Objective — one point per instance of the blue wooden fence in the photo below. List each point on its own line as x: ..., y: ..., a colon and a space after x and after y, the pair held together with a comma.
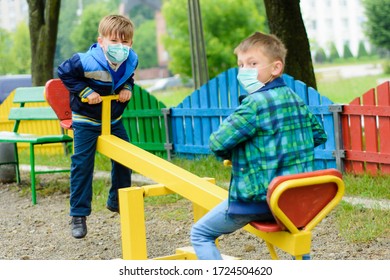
x: 201, y: 113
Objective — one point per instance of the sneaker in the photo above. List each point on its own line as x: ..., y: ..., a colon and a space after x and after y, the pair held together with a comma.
x: 112, y: 209
x: 79, y: 227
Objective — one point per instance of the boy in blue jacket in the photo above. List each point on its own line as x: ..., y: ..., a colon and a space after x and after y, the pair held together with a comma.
x: 271, y: 133
x: 106, y: 68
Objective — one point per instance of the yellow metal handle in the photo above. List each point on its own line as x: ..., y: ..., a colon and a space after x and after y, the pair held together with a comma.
x: 107, y: 97
x: 106, y: 113
x: 227, y: 162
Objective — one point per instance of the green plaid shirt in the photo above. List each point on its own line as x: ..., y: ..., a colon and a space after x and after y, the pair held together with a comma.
x: 271, y: 133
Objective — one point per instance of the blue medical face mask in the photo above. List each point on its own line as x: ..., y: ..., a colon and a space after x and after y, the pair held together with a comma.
x: 247, y: 77
x: 117, y: 53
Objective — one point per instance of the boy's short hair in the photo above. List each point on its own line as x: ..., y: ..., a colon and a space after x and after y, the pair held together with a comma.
x: 269, y: 44
x: 116, y: 25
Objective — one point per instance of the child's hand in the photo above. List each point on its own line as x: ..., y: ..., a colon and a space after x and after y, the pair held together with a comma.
x: 93, y: 98
x: 125, y: 95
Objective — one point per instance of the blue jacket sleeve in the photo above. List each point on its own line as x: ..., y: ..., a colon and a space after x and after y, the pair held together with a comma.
x: 71, y: 73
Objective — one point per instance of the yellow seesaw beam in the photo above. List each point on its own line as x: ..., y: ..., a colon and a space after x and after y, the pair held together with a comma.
x: 178, y: 180
x: 174, y: 179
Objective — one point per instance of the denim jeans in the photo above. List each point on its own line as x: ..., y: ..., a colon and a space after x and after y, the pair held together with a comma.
x: 83, y: 160
x: 215, y: 223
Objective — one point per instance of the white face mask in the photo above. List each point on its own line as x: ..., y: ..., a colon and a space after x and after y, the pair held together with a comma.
x: 247, y: 77
x: 117, y: 53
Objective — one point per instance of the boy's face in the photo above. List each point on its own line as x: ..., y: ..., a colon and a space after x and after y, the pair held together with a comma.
x: 255, y: 58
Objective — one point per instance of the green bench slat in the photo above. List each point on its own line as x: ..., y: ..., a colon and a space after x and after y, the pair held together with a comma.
x: 29, y: 95
x: 32, y: 113
x: 32, y: 138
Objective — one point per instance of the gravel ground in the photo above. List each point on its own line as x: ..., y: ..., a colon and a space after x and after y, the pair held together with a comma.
x: 42, y: 232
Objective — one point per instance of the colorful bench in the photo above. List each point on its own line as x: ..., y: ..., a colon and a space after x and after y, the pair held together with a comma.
x: 22, y: 97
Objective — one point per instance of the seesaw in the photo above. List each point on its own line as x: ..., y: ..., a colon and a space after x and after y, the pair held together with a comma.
x: 299, y: 202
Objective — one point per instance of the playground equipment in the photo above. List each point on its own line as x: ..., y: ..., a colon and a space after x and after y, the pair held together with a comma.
x: 290, y: 197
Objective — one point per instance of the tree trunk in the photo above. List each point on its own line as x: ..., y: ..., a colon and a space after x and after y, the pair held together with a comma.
x: 285, y: 21
x: 43, y: 25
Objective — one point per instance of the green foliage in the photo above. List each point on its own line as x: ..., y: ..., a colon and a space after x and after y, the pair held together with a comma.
x: 86, y: 32
x: 5, y: 46
x: 15, y: 54
x: 225, y: 24
x: 73, y: 19
x: 386, y: 67
x: 141, y: 13
x: 21, y: 52
x: 362, y: 52
x: 67, y: 21
x: 334, y: 54
x: 347, y: 51
x: 320, y: 56
x: 378, y: 22
x: 145, y: 44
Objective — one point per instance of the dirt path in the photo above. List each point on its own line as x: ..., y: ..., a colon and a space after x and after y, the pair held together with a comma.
x: 42, y: 232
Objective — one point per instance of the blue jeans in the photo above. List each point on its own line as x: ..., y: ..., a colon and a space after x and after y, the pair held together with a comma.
x: 83, y: 160
x: 215, y: 223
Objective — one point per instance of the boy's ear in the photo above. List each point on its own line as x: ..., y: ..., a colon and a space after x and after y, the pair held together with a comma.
x: 100, y: 41
x: 278, y: 68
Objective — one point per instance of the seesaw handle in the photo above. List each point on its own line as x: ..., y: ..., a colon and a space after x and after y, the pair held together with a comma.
x: 106, y: 97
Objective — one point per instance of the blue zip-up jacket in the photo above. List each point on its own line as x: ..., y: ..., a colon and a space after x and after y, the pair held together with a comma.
x: 86, y: 72
x: 271, y: 133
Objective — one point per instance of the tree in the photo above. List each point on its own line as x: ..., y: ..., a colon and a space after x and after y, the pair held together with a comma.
x: 285, y: 21
x: 225, y: 24
x: 378, y: 22
x: 347, y: 51
x: 5, y: 58
x: 43, y: 26
x: 333, y: 52
x: 145, y: 44
x: 320, y: 56
x: 145, y: 38
x: 20, y: 53
x: 362, y: 52
x: 85, y: 32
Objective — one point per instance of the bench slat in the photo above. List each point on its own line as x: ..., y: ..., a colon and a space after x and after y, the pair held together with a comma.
x: 32, y: 113
x: 13, y: 137
x: 29, y: 94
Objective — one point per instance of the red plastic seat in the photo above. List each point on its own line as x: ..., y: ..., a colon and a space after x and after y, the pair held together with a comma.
x: 57, y: 95
x: 299, y: 202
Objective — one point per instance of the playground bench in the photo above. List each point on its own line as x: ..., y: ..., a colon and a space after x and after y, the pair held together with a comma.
x: 41, y: 112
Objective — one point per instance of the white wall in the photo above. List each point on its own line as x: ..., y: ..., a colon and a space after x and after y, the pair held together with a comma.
x: 337, y: 21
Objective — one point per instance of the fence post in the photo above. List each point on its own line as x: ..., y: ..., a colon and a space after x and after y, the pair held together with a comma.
x: 339, y: 153
x: 168, y: 145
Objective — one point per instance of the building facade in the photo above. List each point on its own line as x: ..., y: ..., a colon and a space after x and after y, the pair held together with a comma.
x: 12, y: 12
x: 337, y: 22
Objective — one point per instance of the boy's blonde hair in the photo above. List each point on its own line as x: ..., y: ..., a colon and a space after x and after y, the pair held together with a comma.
x: 269, y: 44
x: 116, y: 25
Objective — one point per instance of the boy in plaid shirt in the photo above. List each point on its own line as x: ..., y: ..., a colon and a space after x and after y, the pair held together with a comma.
x: 272, y: 133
